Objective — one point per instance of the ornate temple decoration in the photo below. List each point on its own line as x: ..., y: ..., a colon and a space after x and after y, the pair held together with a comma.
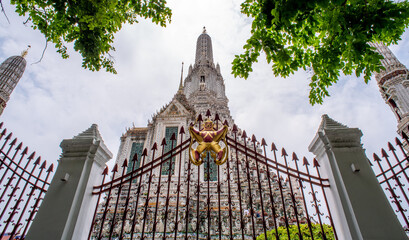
x: 208, y: 142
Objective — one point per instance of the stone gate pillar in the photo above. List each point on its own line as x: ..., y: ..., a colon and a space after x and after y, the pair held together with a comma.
x: 358, y: 204
x: 68, y: 207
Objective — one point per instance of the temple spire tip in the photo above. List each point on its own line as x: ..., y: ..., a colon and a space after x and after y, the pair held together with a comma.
x: 25, y: 52
x: 181, y: 80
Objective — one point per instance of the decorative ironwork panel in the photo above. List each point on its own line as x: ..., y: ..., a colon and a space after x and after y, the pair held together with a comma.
x: 23, y: 183
x: 250, y: 195
x: 393, y: 175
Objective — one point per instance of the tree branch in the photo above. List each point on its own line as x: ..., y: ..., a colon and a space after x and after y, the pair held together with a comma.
x: 4, y: 12
x: 42, y: 55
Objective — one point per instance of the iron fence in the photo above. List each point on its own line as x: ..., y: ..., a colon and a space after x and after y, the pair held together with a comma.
x: 392, y: 174
x: 245, y: 198
x: 23, y: 182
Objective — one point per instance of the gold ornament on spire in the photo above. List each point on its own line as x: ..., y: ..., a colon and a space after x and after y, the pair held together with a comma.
x: 25, y: 52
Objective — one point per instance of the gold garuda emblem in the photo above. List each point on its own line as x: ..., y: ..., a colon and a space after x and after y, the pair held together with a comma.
x: 208, y: 139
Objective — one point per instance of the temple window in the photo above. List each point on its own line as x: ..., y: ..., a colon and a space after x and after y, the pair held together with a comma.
x: 210, y: 174
x: 137, y: 148
x: 395, y: 108
x: 168, y: 134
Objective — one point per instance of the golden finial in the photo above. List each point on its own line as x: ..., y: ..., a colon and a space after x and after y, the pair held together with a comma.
x: 181, y: 80
x: 25, y: 52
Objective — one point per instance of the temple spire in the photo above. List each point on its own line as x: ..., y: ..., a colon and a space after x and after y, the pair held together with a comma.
x: 181, y: 80
x: 204, y: 50
x: 11, y: 71
x: 393, y: 84
x: 389, y: 62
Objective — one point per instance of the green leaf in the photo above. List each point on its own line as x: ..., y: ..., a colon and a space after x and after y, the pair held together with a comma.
x: 329, y: 36
x: 90, y: 25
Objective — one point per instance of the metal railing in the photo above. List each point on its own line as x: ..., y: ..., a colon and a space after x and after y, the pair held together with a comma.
x: 392, y: 173
x: 23, y: 184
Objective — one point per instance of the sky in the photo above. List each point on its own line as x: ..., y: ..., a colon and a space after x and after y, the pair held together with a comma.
x: 56, y: 99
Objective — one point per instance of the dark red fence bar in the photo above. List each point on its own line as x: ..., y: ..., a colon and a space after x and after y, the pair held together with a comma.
x: 23, y: 183
x: 249, y: 196
x: 392, y: 174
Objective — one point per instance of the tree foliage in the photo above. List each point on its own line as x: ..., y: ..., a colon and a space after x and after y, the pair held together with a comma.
x: 325, y: 36
x: 294, y: 233
x: 89, y: 24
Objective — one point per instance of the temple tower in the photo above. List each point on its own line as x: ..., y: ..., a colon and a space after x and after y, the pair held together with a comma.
x: 11, y: 71
x: 203, y: 89
x: 204, y: 85
x: 393, y: 84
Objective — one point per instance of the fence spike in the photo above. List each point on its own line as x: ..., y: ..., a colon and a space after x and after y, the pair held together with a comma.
x: 208, y: 114
x: 105, y: 172
x: 13, y: 142
x: 31, y: 156
x: 253, y: 138
x: 4, y: 132
x: 244, y: 134
x: 155, y: 146
x: 384, y: 154
x: 19, y: 146
x: 1, y: 125
x: 115, y: 168
x: 305, y: 162
x: 25, y: 151
x: 38, y: 160
x: 316, y: 164
x: 9, y: 136
x: 398, y: 142
x: 163, y: 142
x: 182, y: 130
x: 263, y: 142
x: 273, y: 147
x: 295, y: 158
x: 51, y: 168
x: 43, y: 165
x: 200, y: 118
x: 391, y: 148
x: 173, y: 137
x: 283, y: 152
x: 135, y: 157
x: 226, y: 123
x: 125, y: 164
x: 145, y: 152
x: 216, y: 117
x: 234, y: 128
x: 376, y: 158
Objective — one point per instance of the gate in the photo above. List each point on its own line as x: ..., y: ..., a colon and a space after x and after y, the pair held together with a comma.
x: 252, y: 193
x: 23, y: 183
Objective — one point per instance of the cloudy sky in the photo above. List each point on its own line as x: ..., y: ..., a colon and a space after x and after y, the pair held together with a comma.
x: 57, y: 99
